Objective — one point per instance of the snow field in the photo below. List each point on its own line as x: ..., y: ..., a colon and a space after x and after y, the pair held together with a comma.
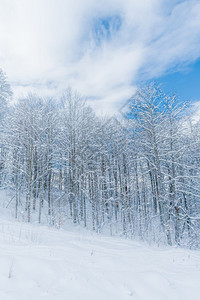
x: 38, y: 262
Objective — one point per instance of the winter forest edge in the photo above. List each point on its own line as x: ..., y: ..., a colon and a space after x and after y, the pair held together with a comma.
x: 136, y: 176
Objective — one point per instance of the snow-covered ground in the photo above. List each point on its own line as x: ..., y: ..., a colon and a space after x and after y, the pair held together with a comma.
x: 37, y: 262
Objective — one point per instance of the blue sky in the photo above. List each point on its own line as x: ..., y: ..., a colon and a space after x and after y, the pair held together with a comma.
x: 101, y: 48
x: 185, y: 83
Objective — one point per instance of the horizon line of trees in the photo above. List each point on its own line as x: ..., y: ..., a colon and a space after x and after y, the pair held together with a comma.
x: 137, y: 176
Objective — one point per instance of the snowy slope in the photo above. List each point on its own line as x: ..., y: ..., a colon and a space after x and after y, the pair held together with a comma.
x: 38, y: 262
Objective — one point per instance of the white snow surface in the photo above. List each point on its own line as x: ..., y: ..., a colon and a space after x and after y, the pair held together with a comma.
x: 38, y: 262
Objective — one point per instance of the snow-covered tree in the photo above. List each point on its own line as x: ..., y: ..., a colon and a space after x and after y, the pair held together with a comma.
x: 138, y: 177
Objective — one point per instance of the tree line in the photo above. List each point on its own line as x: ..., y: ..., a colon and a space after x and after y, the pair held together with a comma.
x: 136, y: 175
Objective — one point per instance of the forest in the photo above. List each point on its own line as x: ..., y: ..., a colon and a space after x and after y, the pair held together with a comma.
x: 136, y: 175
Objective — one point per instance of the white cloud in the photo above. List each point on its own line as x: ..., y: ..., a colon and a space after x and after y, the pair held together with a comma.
x: 47, y: 45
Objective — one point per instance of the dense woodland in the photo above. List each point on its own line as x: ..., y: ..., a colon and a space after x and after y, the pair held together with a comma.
x: 136, y: 175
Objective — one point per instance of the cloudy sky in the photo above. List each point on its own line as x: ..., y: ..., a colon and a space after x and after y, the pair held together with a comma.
x: 102, y: 48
